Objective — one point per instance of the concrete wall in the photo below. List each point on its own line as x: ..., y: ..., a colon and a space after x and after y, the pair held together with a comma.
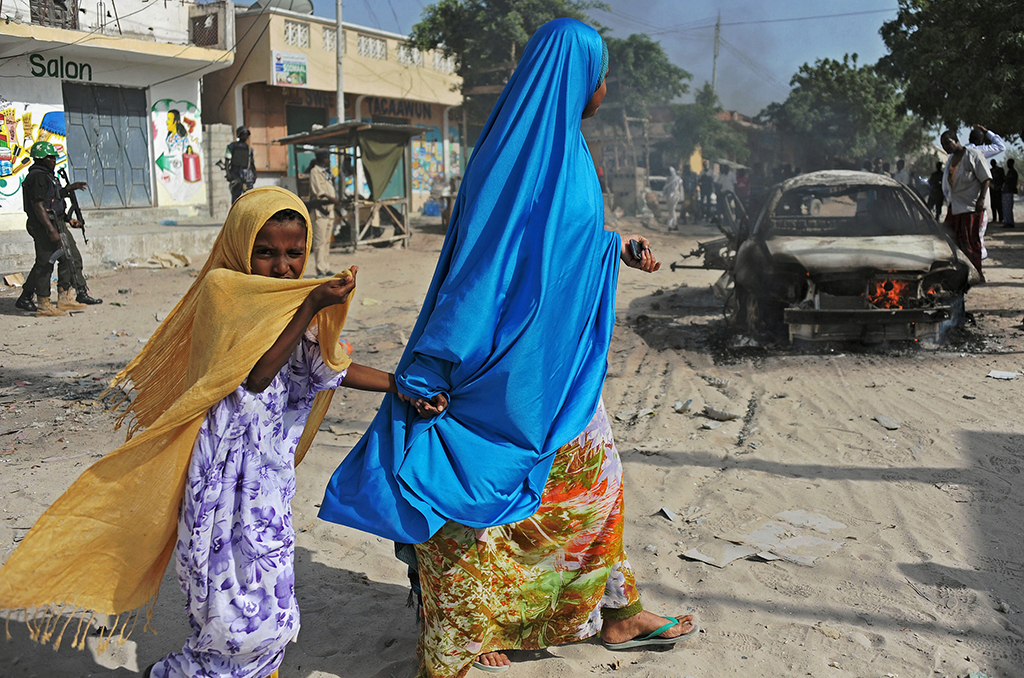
x: 216, y: 140
x: 153, y: 20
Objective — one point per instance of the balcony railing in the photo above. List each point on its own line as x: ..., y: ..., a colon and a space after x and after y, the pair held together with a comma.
x: 55, y: 13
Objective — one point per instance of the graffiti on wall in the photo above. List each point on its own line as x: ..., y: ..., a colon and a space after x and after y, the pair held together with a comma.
x: 177, y: 147
x: 21, y: 125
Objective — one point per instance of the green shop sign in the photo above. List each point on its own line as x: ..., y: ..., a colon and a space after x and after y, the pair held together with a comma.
x: 59, y: 68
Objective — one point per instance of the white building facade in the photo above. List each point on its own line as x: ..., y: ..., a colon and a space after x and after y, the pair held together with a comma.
x: 117, y: 91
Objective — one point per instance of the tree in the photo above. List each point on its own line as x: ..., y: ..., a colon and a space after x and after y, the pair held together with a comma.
x: 640, y: 76
x: 840, y: 109
x: 486, y: 39
x: 960, y: 61
x: 697, y: 124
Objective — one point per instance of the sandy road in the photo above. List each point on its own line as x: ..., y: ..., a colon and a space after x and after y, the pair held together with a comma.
x: 927, y: 581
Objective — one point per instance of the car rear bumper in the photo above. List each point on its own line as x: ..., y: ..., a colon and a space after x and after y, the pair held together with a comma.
x: 865, y: 324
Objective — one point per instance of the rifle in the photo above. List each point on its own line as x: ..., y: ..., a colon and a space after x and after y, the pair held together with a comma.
x: 75, y: 208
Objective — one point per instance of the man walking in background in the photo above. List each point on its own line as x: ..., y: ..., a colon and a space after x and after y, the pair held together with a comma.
x: 995, y: 191
x: 935, y: 194
x: 989, y: 144
x: 902, y: 175
x: 1010, y: 182
x: 965, y: 181
x: 323, y: 199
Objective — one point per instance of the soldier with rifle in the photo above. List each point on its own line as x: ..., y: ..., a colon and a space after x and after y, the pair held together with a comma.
x: 43, y: 199
x: 240, y: 165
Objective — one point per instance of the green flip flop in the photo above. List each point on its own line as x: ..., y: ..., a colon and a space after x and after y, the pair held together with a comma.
x: 490, y: 669
x: 653, y: 638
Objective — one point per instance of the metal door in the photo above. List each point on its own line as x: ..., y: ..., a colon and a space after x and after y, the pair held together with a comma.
x: 108, y: 144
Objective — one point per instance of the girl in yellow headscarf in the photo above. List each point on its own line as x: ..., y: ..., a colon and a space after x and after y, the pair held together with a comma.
x: 230, y: 390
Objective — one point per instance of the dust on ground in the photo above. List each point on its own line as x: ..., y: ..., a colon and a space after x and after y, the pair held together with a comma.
x: 927, y: 579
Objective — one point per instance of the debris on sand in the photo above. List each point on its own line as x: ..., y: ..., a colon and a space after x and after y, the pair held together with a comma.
x: 681, y: 407
x: 887, y: 422
x: 998, y: 374
x: 719, y: 415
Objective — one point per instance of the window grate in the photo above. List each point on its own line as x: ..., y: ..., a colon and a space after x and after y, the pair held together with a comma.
x: 330, y: 39
x: 296, y: 33
x: 409, y: 56
x: 443, y: 64
x: 373, y: 47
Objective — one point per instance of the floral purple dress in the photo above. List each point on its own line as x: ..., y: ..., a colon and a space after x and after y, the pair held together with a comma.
x: 236, y: 544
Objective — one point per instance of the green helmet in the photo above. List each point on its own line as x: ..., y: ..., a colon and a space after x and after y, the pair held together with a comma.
x: 42, y: 149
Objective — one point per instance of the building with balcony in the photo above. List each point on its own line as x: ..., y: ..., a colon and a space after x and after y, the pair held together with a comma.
x: 117, y: 90
x: 284, y: 81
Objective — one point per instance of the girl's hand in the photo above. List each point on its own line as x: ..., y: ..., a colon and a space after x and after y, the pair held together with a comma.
x: 427, y: 409
x: 647, y: 262
x: 334, y: 291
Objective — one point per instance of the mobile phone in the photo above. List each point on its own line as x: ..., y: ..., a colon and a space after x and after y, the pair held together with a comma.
x: 637, y: 249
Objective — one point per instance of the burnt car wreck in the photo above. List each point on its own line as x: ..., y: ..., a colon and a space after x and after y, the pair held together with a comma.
x: 839, y: 256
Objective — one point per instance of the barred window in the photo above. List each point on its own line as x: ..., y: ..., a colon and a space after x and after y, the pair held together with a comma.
x: 442, y: 63
x: 330, y: 39
x: 410, y: 56
x: 373, y: 47
x: 296, y: 33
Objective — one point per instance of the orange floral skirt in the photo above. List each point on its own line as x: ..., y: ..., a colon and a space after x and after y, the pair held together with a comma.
x: 546, y: 580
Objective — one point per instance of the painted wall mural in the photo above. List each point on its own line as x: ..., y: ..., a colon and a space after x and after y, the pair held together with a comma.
x: 177, y: 147
x: 21, y: 125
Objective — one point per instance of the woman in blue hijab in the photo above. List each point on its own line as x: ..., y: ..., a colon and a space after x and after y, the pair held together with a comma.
x: 497, y: 461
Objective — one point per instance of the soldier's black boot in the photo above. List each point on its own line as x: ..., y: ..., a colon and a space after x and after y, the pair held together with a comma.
x: 84, y: 298
x: 25, y: 303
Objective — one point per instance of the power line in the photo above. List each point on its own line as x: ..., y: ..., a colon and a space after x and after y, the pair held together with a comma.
x: 691, y: 26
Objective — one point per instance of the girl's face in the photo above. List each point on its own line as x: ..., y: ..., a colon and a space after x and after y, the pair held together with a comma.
x: 280, y: 250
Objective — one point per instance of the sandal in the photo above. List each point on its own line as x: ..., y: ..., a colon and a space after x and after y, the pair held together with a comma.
x: 654, y: 637
x: 490, y: 669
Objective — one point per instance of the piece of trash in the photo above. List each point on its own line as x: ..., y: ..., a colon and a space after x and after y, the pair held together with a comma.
x: 998, y: 374
x: 644, y: 413
x: 970, y: 397
x: 651, y: 548
x: 815, y: 521
x: 960, y: 495
x: 682, y: 407
x: 116, y: 303
x: 746, y: 342
x: 978, y: 674
x: 827, y: 631
x: 23, y: 383
x: 167, y: 260
x: 711, y: 425
x: 367, y: 301
x: 168, y: 222
x: 125, y: 290
x: 626, y: 415
x: 715, y: 381
x: 719, y: 415
x: 14, y: 280
x: 788, y: 542
x: 668, y: 514
x: 835, y: 665
x: 887, y: 422
x: 719, y: 553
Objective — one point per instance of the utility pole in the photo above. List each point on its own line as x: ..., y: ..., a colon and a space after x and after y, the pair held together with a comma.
x: 339, y: 40
x: 714, y: 64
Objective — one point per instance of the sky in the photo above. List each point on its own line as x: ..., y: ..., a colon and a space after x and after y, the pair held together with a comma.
x: 760, y: 48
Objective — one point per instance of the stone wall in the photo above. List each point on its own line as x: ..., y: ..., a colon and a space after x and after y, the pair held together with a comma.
x: 216, y: 139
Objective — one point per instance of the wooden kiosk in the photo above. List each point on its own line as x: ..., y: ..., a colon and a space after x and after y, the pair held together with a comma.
x: 378, y: 147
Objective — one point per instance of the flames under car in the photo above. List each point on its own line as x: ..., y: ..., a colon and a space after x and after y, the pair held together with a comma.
x: 843, y: 256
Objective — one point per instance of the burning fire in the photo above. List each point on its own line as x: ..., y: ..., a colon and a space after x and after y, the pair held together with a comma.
x: 886, y: 293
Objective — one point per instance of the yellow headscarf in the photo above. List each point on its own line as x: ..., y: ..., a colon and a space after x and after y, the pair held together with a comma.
x: 103, y: 546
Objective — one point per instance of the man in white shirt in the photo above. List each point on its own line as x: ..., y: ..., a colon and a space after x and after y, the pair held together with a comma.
x: 902, y: 175
x: 995, y: 145
x: 726, y: 180
x: 965, y: 183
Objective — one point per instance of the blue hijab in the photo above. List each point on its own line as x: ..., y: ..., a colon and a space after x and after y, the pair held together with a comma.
x: 516, y: 323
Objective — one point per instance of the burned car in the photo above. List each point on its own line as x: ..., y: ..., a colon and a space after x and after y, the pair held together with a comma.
x: 839, y: 255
